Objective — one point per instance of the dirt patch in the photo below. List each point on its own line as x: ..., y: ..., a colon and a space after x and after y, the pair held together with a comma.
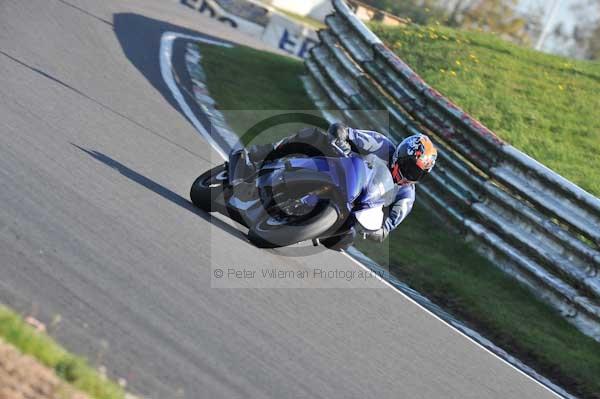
x: 23, y: 377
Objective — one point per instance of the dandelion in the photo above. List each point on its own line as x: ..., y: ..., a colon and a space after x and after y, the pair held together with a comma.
x: 452, y: 73
x: 472, y: 56
x: 458, y: 63
x: 442, y: 70
x: 561, y: 87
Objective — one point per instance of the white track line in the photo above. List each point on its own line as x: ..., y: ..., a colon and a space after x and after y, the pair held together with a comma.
x: 384, y: 281
x: 166, y: 46
x: 166, y: 69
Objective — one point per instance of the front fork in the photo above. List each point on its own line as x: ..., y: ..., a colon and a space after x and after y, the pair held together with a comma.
x: 239, y: 167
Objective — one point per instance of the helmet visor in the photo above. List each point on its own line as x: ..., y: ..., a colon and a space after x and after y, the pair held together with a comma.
x: 411, y: 171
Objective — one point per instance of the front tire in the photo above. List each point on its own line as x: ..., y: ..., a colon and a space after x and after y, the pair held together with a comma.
x: 208, y: 186
x: 339, y: 243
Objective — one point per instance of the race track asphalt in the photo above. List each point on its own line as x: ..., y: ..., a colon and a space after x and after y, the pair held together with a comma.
x: 95, y: 226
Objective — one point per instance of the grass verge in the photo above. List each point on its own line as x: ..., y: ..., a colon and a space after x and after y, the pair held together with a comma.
x: 72, y: 369
x: 245, y: 93
x: 545, y: 105
x: 422, y: 252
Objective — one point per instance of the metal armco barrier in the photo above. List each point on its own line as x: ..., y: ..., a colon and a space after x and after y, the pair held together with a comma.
x: 532, y: 223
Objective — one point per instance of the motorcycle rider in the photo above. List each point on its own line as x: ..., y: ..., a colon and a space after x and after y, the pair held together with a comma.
x: 409, y: 161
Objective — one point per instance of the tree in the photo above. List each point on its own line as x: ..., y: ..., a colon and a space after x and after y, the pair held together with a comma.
x: 587, y: 31
x: 457, y: 10
x: 497, y: 16
x: 420, y: 11
x: 593, y: 47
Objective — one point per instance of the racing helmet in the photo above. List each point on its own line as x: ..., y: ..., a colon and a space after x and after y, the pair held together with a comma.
x: 413, y: 159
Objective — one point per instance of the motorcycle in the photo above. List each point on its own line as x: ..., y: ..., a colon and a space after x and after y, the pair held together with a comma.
x: 289, y: 198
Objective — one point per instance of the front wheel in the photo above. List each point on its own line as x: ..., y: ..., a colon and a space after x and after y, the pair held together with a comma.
x: 340, y: 242
x: 208, y: 186
x: 274, y: 232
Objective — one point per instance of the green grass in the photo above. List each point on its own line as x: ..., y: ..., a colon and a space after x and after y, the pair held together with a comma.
x: 545, y: 105
x: 248, y: 93
x: 422, y: 252
x: 70, y: 368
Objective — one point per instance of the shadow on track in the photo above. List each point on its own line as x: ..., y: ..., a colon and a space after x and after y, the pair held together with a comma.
x: 139, y: 37
x: 160, y: 190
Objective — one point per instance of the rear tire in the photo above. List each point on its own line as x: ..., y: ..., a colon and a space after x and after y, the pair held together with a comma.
x: 270, y: 233
x: 207, y: 187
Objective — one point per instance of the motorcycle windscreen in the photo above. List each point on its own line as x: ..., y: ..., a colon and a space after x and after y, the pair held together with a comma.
x: 371, y: 218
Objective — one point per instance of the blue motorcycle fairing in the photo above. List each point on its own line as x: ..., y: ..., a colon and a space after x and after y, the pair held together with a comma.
x: 364, y: 181
x: 380, y: 189
x: 350, y: 174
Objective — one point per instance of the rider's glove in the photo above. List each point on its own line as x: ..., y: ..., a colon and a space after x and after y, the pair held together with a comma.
x: 339, y: 135
x: 377, y: 236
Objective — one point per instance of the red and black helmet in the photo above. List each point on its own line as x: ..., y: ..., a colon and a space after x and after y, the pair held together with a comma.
x: 413, y: 159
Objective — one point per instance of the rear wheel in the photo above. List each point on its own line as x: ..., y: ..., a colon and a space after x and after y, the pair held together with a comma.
x: 273, y: 231
x: 208, y: 186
